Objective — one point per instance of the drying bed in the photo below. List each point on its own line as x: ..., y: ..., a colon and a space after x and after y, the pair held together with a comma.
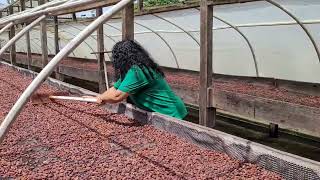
x: 191, y: 82
x: 64, y: 139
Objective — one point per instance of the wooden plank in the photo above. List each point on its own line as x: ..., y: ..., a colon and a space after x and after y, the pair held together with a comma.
x: 101, y: 58
x: 12, y: 33
x: 221, y: 2
x: 85, y: 74
x: 289, y: 116
x: 128, y: 22
x: 207, y: 114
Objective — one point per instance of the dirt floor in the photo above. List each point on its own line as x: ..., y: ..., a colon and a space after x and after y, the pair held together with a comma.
x: 61, y: 140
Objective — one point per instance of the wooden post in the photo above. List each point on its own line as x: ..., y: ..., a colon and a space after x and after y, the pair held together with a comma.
x: 101, y: 58
x: 56, y: 34
x: 127, y: 22
x: 12, y: 33
x: 140, y: 5
x: 207, y: 114
x: 43, y: 39
x: 29, y: 54
x: 74, y: 17
x: 23, y: 5
x: 58, y: 75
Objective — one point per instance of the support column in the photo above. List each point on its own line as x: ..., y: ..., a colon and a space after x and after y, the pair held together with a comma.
x: 101, y: 59
x: 140, y: 5
x: 12, y: 33
x: 207, y: 114
x: 44, y: 43
x: 74, y: 17
x: 29, y: 54
x: 127, y: 22
x: 43, y: 39
x: 23, y: 5
x: 58, y: 75
x: 56, y: 34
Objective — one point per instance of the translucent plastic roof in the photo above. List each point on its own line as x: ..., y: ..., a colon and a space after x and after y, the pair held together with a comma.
x: 256, y: 39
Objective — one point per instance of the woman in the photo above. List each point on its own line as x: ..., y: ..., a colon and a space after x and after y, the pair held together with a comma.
x: 140, y: 79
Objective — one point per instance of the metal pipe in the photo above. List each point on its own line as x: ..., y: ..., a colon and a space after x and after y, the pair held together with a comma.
x: 6, y: 27
x: 63, y: 6
x: 35, y: 11
x: 304, y: 28
x: 21, y: 33
x: 47, y: 70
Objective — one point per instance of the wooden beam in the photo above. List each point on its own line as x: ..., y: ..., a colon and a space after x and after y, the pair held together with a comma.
x: 222, y: 2
x: 299, y: 118
x: 43, y: 39
x: 44, y: 43
x: 140, y: 5
x: 12, y: 33
x: 58, y: 75
x: 101, y: 58
x: 56, y: 34
x: 74, y: 17
x: 128, y: 22
x: 29, y: 53
x: 23, y: 5
x: 207, y: 114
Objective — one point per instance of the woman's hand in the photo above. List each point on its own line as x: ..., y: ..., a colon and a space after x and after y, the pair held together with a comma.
x: 99, y: 99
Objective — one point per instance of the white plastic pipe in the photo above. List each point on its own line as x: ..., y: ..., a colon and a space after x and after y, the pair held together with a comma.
x: 62, y: 5
x: 20, y: 34
x: 71, y: 98
x: 47, y: 70
x: 6, y: 27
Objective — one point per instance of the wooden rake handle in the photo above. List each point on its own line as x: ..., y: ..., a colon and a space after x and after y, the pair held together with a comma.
x: 82, y: 99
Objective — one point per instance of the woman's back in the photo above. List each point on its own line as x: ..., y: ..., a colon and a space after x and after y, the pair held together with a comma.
x: 149, y: 91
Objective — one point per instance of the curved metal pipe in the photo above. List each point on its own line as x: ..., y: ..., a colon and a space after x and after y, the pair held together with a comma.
x: 47, y: 70
x: 21, y: 33
x: 248, y: 42
x: 188, y: 33
x: 170, y: 48
x: 84, y: 40
x: 245, y: 38
x: 6, y: 27
x: 300, y: 24
x: 152, y: 31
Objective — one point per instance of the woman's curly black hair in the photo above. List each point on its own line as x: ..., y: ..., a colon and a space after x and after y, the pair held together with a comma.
x: 127, y: 53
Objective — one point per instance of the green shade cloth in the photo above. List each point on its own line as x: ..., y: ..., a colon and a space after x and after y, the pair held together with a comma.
x: 148, y: 90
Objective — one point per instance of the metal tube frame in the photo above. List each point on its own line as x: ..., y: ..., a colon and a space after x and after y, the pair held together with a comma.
x: 47, y: 70
x: 21, y: 33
